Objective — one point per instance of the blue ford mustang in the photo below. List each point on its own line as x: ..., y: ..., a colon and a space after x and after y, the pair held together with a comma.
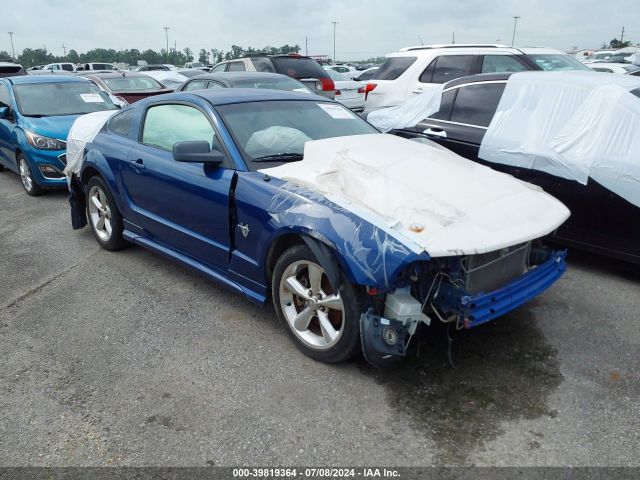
x: 36, y: 113
x: 182, y: 175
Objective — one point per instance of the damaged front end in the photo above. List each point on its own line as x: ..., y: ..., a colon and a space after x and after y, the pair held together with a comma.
x: 465, y: 291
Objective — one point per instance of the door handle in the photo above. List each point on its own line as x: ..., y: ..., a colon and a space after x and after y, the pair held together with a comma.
x: 435, y: 132
x: 137, y: 164
x: 418, y: 90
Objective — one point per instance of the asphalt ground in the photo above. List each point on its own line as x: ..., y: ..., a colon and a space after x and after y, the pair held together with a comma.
x: 129, y: 359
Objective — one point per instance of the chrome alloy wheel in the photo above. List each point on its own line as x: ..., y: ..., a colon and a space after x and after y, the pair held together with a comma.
x: 314, y: 311
x: 100, y: 213
x: 25, y: 175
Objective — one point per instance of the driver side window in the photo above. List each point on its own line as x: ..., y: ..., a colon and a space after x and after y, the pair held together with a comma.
x: 165, y: 125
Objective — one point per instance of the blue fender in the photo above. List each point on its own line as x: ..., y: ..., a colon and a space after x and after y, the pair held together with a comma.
x: 368, y: 255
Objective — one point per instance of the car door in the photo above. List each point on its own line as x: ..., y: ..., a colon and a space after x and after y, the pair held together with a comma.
x: 182, y: 206
x: 7, y: 125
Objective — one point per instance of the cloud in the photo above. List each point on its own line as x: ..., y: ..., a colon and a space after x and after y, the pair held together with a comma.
x: 365, y: 28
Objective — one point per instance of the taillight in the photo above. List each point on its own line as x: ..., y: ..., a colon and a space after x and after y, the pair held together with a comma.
x: 369, y: 88
x: 361, y: 90
x: 327, y: 85
x: 337, y: 93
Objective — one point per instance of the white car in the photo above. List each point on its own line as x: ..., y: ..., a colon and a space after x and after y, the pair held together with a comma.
x: 412, y: 70
x: 198, y: 65
x: 599, y: 56
x: 346, y: 69
x: 63, y: 68
x: 623, y: 68
x: 349, y: 93
x: 97, y: 67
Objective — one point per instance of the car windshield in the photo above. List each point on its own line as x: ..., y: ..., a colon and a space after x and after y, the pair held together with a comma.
x: 282, y: 83
x: 196, y: 64
x: 269, y: 133
x: 128, y: 84
x: 557, y: 62
x: 61, y: 98
x: 601, y: 56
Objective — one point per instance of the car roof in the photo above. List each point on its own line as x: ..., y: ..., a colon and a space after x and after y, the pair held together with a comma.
x: 470, y: 47
x: 238, y: 76
x: 226, y: 96
x: 27, y: 79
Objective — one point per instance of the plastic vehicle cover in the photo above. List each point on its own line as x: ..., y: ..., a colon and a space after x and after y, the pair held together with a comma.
x: 409, y: 113
x: 83, y: 131
x: 572, y: 125
x: 426, y: 197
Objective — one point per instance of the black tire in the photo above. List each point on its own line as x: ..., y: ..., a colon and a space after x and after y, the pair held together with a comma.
x: 30, y: 185
x: 354, y: 304
x: 115, y: 241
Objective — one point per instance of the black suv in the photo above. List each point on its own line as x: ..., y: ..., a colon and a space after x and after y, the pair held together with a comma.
x: 601, y: 221
x: 304, y: 69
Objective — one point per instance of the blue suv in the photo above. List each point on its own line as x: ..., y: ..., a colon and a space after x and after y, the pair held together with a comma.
x: 36, y: 113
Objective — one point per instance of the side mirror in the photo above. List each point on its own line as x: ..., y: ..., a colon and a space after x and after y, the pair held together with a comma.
x: 5, y: 113
x: 196, y: 152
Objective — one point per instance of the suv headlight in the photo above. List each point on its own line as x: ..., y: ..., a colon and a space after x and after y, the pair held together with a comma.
x: 44, y: 143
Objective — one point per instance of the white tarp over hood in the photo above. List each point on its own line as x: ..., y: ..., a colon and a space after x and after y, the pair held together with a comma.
x: 83, y: 131
x: 573, y: 125
x: 409, y: 113
x: 424, y: 195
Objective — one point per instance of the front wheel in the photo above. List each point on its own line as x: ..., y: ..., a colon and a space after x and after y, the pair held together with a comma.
x: 103, y: 215
x: 322, y: 319
x: 28, y: 182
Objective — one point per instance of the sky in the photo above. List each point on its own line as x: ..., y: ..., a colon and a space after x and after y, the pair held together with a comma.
x: 364, y: 29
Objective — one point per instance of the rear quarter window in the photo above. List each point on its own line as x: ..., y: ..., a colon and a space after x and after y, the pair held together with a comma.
x: 393, y: 67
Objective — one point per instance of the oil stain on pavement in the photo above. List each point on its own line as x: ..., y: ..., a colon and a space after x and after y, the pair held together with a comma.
x: 505, y: 370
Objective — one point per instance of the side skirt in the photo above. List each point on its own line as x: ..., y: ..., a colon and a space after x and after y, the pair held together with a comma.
x: 191, y: 263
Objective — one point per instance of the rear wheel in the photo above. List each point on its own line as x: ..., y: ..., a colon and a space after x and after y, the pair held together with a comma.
x: 28, y: 182
x: 103, y: 215
x: 322, y: 319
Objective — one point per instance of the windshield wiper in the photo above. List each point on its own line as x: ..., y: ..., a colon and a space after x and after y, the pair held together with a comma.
x: 286, y: 157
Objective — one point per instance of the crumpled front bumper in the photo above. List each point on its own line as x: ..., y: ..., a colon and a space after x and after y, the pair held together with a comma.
x: 474, y: 310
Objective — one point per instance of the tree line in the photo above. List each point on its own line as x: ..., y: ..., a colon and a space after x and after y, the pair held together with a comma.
x: 30, y: 57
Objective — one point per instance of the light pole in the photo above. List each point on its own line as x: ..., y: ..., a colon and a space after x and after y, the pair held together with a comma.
x: 13, y: 50
x: 334, y: 41
x: 515, y: 23
x: 166, y: 34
